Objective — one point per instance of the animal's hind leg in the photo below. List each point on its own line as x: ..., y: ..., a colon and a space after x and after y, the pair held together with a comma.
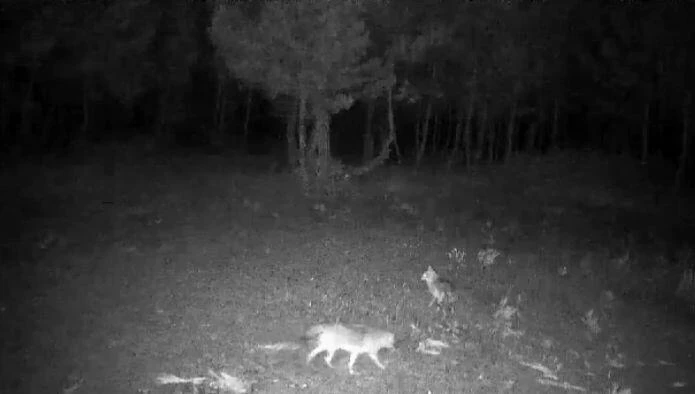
x: 313, y: 354
x: 351, y: 363
x: 329, y: 357
x: 375, y: 357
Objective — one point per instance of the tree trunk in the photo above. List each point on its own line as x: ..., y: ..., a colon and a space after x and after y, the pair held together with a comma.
x: 4, y: 112
x: 84, y: 127
x: 435, y: 135
x: 422, y: 142
x: 468, y: 134
x: 301, y: 134
x: 451, y: 126
x: 26, y: 119
x: 685, y: 143
x: 491, y: 142
x: 541, y: 128
x: 482, y: 128
x: 418, y: 127
x: 247, y: 117
x: 531, y: 138
x: 368, y: 138
x: 645, y: 133
x: 162, y: 121
x: 291, y: 136
x: 625, y: 149
x: 320, y: 146
x: 392, y: 127
x: 511, y: 126
x: 456, y: 147
x: 217, y: 137
x: 47, y: 126
x: 387, y: 140
x: 555, y: 125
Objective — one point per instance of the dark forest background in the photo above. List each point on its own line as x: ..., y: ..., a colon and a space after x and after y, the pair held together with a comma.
x: 452, y: 82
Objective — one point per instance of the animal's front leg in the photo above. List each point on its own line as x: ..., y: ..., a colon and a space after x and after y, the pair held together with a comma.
x: 375, y: 357
x: 351, y: 363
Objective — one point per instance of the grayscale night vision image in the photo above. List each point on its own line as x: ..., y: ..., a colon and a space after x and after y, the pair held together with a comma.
x: 342, y: 196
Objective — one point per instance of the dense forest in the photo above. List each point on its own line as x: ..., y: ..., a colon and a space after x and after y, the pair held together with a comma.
x: 452, y: 82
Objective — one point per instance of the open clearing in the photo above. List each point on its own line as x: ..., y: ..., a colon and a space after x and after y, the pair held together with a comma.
x: 190, y: 264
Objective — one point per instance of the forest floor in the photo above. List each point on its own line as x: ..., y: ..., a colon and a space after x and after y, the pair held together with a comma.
x: 199, y: 266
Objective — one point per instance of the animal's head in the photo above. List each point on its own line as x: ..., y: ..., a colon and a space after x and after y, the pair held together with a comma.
x: 429, y: 275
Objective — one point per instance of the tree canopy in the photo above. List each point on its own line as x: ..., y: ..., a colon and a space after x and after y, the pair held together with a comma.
x: 451, y: 76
